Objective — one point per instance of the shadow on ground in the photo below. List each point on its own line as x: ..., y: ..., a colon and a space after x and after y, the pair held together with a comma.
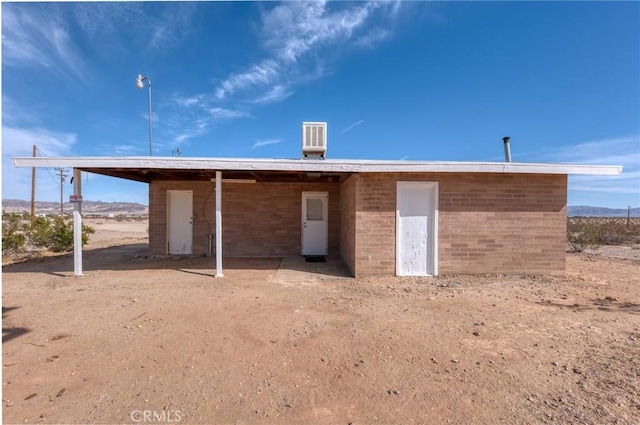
x: 136, y: 257
x: 10, y: 332
x: 601, y: 304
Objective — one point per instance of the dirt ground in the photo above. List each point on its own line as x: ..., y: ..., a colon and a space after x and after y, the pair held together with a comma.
x: 139, y: 339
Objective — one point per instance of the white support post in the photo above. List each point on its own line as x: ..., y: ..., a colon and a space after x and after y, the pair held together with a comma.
x: 77, y: 224
x: 219, y: 224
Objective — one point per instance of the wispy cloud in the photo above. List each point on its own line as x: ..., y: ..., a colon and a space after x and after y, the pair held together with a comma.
x: 14, y: 115
x: 294, y: 34
x: 21, y: 129
x: 260, y: 74
x: 192, y: 116
x: 18, y: 142
x: 293, y: 28
x: 198, y: 128
x: 619, y: 150
x: 187, y: 102
x: 623, y: 151
x: 225, y: 114
x: 125, y: 150
x: 106, y: 17
x: 156, y: 30
x: 275, y: 94
x: 373, y: 37
x: 261, y: 143
x: 351, y: 126
x: 298, y: 40
x: 36, y: 36
x: 173, y: 26
x: 197, y: 124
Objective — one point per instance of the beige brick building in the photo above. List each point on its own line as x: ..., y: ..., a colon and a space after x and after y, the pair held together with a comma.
x: 380, y: 217
x: 487, y: 223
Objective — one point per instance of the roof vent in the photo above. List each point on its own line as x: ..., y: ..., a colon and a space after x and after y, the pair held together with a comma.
x: 314, y: 140
x: 507, y: 149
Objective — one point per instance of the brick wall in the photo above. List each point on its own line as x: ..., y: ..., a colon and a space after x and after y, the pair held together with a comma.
x: 261, y: 219
x: 488, y: 223
x: 375, y: 225
x: 348, y: 222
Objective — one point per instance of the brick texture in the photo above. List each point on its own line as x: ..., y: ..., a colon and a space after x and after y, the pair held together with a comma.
x: 488, y: 223
x: 348, y: 222
x: 261, y: 219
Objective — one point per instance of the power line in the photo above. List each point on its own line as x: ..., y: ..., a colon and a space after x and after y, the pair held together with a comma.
x: 47, y: 168
x: 51, y: 175
x: 42, y: 153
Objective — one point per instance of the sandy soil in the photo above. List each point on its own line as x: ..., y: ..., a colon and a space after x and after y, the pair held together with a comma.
x: 149, y: 340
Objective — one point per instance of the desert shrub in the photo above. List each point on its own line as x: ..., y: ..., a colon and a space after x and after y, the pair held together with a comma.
x: 13, y: 242
x: 13, y: 233
x: 13, y: 238
x: 581, y: 236
x: 617, y: 233
x: 61, y: 235
x: 609, y: 230
x: 52, y: 233
x: 611, y: 238
x: 40, y: 232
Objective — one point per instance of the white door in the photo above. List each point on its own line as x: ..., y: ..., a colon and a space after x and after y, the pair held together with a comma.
x: 315, y: 230
x: 179, y: 221
x: 416, y: 229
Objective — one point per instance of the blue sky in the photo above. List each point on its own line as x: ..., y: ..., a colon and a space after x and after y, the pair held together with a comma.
x: 394, y: 80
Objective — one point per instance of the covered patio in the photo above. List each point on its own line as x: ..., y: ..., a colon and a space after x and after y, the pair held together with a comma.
x: 349, y: 209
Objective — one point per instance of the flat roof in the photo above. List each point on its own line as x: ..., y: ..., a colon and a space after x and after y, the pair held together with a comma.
x: 139, y: 168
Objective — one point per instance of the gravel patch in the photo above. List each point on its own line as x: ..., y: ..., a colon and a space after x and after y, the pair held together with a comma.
x: 616, y: 251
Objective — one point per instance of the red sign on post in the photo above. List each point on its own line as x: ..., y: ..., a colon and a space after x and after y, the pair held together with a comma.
x: 75, y: 198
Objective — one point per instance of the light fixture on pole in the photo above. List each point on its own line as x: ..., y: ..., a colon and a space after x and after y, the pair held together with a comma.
x: 140, y: 84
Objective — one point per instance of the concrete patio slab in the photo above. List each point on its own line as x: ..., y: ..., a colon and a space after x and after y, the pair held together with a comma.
x: 298, y: 270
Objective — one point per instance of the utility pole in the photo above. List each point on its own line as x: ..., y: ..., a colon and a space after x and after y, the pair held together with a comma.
x: 33, y: 187
x: 63, y: 175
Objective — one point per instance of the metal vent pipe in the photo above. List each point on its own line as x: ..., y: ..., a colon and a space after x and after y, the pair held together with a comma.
x: 507, y: 149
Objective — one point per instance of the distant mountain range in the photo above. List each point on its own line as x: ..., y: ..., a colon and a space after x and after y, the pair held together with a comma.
x: 88, y: 207
x: 132, y: 208
x: 584, y: 211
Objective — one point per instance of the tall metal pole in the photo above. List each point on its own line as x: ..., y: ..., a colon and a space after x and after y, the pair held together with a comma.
x: 140, y: 84
x: 33, y: 187
x: 150, y: 131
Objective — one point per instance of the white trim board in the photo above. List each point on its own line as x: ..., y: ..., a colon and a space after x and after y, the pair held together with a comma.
x: 327, y: 165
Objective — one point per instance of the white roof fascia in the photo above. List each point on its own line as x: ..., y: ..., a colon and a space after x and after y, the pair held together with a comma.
x: 327, y: 165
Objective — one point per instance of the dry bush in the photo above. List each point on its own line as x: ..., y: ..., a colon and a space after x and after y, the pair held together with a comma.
x: 582, y: 236
x: 20, y: 234
x: 585, y: 232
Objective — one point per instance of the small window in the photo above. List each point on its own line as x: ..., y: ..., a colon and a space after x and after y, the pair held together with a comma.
x: 315, y: 209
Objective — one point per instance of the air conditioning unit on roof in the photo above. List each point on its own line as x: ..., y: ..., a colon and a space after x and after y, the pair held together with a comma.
x: 314, y: 140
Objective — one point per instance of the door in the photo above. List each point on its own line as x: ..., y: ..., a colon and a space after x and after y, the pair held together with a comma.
x: 179, y: 221
x: 315, y: 230
x: 416, y: 229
